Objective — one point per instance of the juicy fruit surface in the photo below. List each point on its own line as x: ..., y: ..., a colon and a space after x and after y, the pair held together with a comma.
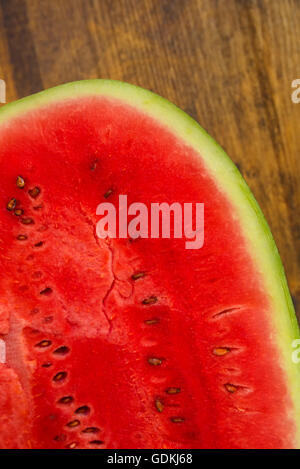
x: 126, y: 343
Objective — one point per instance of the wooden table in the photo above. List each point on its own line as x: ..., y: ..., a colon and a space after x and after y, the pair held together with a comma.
x: 228, y: 63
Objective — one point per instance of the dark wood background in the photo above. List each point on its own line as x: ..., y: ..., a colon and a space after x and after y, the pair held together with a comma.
x: 228, y: 63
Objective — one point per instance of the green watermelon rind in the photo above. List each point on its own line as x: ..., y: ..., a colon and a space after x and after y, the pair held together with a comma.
x: 253, y: 223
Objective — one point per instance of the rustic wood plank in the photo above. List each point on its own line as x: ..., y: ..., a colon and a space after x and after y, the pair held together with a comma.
x: 228, y: 63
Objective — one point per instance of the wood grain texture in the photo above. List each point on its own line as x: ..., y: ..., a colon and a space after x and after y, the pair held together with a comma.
x: 228, y: 63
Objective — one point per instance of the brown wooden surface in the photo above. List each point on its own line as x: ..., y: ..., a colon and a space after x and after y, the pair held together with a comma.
x: 228, y: 63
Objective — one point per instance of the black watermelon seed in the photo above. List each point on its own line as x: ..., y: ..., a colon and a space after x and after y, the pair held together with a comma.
x: 65, y: 400
x: 18, y: 212
x: 11, y: 204
x: 84, y: 410
x: 173, y: 390
x: 34, y: 192
x: 60, y: 376
x: 20, y: 182
x: 73, y: 423
x: 63, y: 350
x: 108, y: 193
x: 27, y: 221
x: 159, y: 405
x: 43, y: 343
x: 21, y: 237
x: 46, y: 365
x: 154, y: 361
x: 47, y: 291
x: 177, y: 419
x: 91, y: 430
x: 138, y: 275
x: 149, y: 322
x: 150, y: 301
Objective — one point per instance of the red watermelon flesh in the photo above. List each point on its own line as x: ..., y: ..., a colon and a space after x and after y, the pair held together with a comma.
x: 123, y: 343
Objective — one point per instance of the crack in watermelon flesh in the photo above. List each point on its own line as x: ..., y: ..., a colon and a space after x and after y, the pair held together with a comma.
x: 90, y: 362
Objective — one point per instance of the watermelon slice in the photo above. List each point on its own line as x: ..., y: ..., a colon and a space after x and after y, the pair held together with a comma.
x: 135, y: 343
